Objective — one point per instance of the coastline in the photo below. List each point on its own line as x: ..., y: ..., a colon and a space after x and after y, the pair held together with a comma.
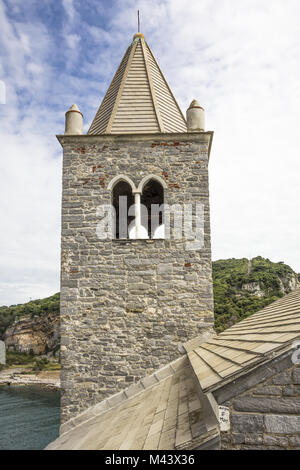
x: 16, y: 376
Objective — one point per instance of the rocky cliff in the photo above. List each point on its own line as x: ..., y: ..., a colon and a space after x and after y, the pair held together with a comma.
x: 32, y: 327
x: 37, y: 335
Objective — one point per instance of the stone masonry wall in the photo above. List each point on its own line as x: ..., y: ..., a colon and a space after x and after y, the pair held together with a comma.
x: 126, y: 305
x: 266, y: 416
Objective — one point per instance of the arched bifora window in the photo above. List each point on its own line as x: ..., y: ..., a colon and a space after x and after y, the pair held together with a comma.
x: 152, y: 199
x: 138, y: 211
x: 122, y: 199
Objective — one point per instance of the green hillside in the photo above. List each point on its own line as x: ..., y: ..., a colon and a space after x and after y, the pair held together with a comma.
x: 242, y: 287
x: 34, y: 307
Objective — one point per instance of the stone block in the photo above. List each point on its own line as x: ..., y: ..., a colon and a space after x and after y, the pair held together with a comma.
x: 116, y: 399
x: 267, y: 405
x: 268, y: 390
x: 296, y: 375
x: 282, y: 379
x: 253, y: 439
x: 133, y: 389
x: 149, y: 381
x: 164, y: 373
x: 280, y: 441
x: 164, y: 268
x: 261, y: 447
x: 100, y: 407
x: 282, y: 424
x: 238, y: 438
x: 291, y: 390
x: 247, y: 423
x: 295, y: 441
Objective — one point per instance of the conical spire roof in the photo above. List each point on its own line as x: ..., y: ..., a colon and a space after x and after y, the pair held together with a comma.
x: 138, y: 99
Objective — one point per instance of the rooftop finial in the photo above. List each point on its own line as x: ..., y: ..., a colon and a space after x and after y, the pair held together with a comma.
x: 138, y: 35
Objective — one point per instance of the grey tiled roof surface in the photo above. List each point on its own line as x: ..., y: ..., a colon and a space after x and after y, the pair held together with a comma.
x: 166, y: 409
x: 167, y: 414
x: 248, y: 343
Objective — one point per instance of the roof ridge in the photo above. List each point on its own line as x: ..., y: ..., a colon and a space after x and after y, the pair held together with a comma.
x: 210, y: 342
x: 207, y: 363
x: 272, y: 314
x: 105, y: 104
x: 152, y: 91
x: 121, y: 87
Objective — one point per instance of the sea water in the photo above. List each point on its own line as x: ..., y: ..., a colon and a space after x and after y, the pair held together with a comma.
x: 29, y: 417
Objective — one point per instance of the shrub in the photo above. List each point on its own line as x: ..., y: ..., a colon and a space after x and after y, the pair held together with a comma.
x: 41, y: 364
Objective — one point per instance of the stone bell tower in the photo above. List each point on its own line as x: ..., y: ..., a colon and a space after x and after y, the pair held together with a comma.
x: 131, y: 297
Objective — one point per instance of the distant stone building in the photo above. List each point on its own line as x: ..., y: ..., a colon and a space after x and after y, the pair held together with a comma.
x: 2, y: 353
x: 129, y: 301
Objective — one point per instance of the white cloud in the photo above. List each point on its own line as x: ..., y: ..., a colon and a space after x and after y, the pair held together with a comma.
x: 239, y: 59
x: 71, y: 25
x: 29, y: 167
x: 69, y: 9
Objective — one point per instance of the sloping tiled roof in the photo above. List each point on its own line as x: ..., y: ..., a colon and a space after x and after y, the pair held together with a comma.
x: 139, y: 99
x: 167, y: 410
x: 248, y: 343
x: 162, y: 411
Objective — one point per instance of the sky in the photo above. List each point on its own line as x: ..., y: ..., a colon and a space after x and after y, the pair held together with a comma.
x: 238, y: 58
